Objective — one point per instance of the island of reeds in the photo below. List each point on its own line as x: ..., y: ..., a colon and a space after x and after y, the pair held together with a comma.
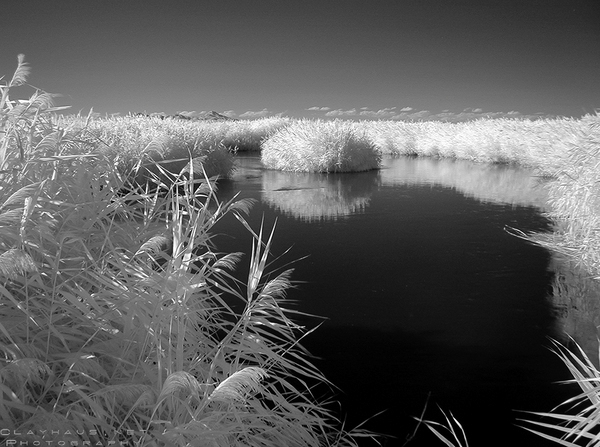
x: 116, y: 321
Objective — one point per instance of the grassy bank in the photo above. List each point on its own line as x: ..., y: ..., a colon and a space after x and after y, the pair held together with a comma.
x: 539, y: 144
x: 114, y: 316
x: 574, y: 201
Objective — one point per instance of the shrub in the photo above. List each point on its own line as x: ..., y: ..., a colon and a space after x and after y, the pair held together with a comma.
x: 320, y: 146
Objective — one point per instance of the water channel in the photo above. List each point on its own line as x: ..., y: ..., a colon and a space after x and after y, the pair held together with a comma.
x: 423, y: 292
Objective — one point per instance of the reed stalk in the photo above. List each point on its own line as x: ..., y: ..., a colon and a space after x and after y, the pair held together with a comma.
x: 115, y: 316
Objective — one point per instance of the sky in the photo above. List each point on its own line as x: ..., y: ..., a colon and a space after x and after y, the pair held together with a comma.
x: 352, y: 59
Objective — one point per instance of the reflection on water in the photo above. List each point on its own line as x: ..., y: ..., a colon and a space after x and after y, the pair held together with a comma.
x: 485, y: 182
x: 576, y: 296
x: 317, y: 196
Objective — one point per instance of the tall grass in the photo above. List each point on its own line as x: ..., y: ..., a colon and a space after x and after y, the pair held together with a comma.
x: 320, y: 146
x: 540, y: 143
x: 574, y: 199
x: 115, y: 316
x: 313, y: 145
x: 137, y: 143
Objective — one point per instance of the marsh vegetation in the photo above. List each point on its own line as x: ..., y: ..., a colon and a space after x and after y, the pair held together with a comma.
x: 117, y: 314
x: 117, y: 321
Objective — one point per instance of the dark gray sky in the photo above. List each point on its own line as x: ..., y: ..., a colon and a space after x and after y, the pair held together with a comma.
x: 345, y: 57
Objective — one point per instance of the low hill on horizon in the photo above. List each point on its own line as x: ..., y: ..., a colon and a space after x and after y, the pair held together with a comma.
x: 190, y: 116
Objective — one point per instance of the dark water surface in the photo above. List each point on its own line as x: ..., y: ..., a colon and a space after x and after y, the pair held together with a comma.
x: 423, y: 291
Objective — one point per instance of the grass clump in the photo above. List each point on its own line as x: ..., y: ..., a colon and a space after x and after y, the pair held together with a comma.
x: 116, y: 320
x: 320, y: 146
x: 575, y: 422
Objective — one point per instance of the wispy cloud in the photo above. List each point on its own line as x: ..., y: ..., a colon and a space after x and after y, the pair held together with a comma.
x: 340, y: 112
x: 256, y: 114
x: 363, y: 112
x: 414, y: 116
x: 381, y: 113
